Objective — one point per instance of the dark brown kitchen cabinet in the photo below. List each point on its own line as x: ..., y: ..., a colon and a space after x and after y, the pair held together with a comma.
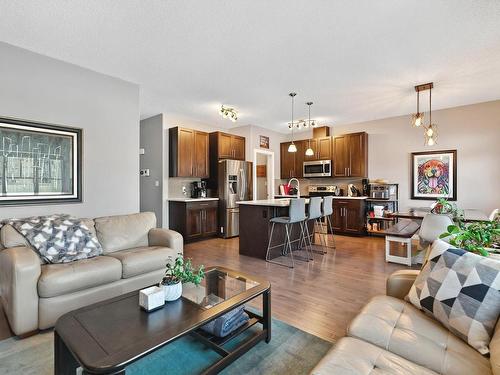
x: 322, y: 148
x: 227, y: 146
x: 350, y: 155
x: 348, y: 216
x: 291, y: 162
x: 194, y: 219
x: 188, y: 153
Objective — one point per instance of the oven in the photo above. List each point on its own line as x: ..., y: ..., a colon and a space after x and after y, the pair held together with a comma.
x: 318, y: 168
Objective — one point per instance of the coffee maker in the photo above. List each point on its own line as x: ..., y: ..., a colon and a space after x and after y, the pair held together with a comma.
x: 366, y: 187
x: 198, y: 189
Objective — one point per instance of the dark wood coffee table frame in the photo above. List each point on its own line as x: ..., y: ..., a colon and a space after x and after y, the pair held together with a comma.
x: 76, y: 342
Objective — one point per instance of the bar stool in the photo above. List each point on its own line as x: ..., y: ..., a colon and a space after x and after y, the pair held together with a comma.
x: 315, y: 214
x: 296, y: 215
x: 327, y: 212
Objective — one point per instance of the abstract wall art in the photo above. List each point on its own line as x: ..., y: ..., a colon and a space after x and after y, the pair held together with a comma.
x: 434, y: 175
x: 39, y: 163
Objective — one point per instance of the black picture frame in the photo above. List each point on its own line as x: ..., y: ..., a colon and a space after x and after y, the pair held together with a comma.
x: 437, y: 157
x: 42, y: 128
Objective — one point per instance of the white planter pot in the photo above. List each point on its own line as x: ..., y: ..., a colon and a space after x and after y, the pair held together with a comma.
x: 172, y: 292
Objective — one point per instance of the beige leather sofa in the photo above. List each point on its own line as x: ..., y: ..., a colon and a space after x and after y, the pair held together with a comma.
x: 34, y: 295
x: 390, y: 336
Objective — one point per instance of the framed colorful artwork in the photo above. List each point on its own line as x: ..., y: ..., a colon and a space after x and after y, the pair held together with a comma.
x: 434, y: 175
x: 39, y: 163
x: 264, y: 141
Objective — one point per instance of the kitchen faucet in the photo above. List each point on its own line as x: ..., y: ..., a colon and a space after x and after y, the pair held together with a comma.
x: 298, y: 185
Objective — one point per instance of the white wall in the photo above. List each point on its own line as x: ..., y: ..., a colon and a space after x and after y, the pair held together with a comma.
x: 39, y: 88
x: 473, y: 130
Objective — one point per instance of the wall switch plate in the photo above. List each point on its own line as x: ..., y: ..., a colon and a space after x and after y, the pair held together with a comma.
x: 144, y: 172
x: 141, y: 151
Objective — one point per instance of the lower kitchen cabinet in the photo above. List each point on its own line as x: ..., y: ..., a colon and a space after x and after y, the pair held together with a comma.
x: 194, y: 220
x: 348, y: 216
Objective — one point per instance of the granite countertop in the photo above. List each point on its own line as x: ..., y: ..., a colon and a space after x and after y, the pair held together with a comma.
x: 186, y: 199
x: 282, y: 202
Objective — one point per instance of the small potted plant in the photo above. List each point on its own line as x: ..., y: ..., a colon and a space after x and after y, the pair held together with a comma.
x: 482, y: 237
x: 443, y: 207
x: 178, y: 272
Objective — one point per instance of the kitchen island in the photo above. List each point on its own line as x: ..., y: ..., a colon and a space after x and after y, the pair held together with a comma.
x: 255, y: 226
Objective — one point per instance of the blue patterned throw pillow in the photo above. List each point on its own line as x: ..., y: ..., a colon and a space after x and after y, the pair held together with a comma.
x: 461, y: 290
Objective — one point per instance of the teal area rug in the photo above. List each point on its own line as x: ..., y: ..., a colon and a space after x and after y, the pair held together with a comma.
x: 291, y: 351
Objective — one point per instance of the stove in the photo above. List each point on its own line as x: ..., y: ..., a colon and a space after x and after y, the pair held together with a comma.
x: 323, y: 190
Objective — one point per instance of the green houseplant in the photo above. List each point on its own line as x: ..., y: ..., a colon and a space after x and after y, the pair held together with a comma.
x: 178, y: 272
x: 475, y: 237
x: 443, y: 207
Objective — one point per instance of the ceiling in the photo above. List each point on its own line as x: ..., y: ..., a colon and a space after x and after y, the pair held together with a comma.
x: 356, y: 60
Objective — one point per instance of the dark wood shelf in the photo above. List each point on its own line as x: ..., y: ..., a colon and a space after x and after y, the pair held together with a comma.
x: 381, y: 218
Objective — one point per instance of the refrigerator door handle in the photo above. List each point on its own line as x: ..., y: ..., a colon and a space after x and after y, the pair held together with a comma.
x: 243, y: 185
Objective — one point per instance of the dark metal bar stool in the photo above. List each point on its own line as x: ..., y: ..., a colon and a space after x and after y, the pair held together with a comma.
x: 296, y: 215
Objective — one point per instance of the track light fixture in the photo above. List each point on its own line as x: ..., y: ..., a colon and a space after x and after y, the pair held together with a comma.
x: 228, y: 112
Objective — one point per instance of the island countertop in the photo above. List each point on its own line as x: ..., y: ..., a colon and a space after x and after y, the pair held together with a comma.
x: 282, y: 202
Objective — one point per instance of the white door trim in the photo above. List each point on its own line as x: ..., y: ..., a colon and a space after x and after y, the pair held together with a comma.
x: 270, y: 172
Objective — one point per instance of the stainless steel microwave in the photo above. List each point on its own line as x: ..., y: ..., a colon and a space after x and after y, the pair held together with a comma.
x: 318, y: 168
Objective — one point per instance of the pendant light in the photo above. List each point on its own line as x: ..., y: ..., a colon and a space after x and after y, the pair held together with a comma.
x: 430, y: 133
x: 418, y: 118
x: 309, y: 151
x: 292, y: 147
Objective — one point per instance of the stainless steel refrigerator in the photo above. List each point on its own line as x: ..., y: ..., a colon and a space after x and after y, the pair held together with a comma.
x: 235, y: 184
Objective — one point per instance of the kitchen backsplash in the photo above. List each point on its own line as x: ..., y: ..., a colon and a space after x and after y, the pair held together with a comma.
x: 176, y: 185
x: 304, y: 183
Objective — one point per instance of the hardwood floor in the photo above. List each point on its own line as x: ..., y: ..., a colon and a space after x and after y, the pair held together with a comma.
x: 319, y: 297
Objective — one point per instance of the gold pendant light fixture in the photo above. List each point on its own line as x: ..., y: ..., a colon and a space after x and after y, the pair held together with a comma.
x: 430, y: 131
x: 292, y: 147
x: 309, y: 151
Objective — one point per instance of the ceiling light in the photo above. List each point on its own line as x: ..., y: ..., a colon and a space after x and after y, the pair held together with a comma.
x: 431, y: 135
x: 292, y: 147
x: 309, y: 151
x: 430, y: 131
x: 230, y: 113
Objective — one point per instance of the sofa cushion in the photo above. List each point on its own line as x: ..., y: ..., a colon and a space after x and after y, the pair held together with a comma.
x: 350, y: 356
x: 64, y: 278
x: 495, y: 351
x: 395, y: 325
x: 122, y: 232
x: 143, y: 259
x: 10, y: 237
x: 462, y: 291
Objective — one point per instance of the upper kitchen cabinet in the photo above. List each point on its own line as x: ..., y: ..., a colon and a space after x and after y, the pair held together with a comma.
x: 227, y: 146
x: 188, y: 153
x: 350, y: 155
x: 291, y: 162
x: 322, y: 148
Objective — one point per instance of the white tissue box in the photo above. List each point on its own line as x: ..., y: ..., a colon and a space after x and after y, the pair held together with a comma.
x: 151, y: 298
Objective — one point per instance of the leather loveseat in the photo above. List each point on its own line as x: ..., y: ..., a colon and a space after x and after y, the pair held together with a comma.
x: 34, y: 295
x: 390, y: 336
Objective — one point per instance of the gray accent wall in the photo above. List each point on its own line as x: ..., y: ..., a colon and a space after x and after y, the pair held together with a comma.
x: 38, y: 88
x: 153, y: 142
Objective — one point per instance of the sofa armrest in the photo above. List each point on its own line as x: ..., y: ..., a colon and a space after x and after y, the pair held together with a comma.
x: 400, y: 282
x: 19, y: 272
x: 166, y: 237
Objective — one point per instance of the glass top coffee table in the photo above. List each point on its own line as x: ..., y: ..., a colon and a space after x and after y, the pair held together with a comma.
x: 106, y: 337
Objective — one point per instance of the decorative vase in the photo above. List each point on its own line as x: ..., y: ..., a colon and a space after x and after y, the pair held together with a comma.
x: 172, y: 292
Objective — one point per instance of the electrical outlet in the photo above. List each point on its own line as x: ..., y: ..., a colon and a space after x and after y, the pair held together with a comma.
x: 144, y: 172
x: 157, y: 183
x: 184, y: 190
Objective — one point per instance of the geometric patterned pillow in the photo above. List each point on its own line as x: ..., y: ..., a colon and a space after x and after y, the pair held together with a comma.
x: 462, y: 291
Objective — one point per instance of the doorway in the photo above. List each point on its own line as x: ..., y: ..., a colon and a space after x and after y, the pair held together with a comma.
x: 263, y: 174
